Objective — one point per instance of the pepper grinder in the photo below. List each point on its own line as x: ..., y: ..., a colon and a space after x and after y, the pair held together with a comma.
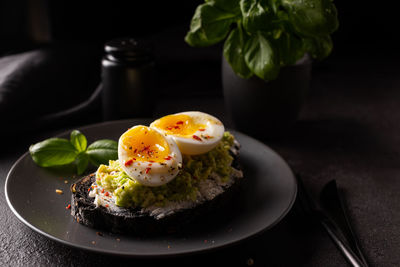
x: 128, y: 79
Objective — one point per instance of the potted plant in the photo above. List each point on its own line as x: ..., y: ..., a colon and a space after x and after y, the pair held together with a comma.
x: 266, y: 65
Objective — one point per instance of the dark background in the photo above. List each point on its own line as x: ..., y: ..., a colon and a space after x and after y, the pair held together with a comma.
x: 69, y: 37
x: 365, y: 29
x: 348, y: 130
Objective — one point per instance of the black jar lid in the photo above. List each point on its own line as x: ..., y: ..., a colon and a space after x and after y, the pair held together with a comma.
x: 129, y: 49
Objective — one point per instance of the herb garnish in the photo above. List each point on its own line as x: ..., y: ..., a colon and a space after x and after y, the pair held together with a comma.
x: 60, y: 151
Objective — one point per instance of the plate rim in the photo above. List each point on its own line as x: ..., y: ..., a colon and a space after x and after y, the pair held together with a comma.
x: 159, y: 254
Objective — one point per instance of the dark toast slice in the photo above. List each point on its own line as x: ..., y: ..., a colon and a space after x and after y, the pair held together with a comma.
x: 138, y: 221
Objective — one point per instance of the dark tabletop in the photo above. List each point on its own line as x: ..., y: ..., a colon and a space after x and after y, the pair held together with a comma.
x: 349, y: 130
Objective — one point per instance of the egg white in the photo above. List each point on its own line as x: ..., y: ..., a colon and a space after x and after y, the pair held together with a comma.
x: 202, y: 140
x: 152, y: 173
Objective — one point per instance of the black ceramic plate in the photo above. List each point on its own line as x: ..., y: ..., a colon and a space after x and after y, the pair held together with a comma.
x: 268, y: 192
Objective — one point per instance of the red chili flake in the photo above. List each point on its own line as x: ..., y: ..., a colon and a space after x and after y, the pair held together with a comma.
x: 179, y: 122
x: 169, y: 128
x: 88, y: 189
x: 106, y: 205
x: 177, y: 127
x: 106, y: 194
x: 149, y: 164
x: 147, y: 170
x: 152, y: 161
x: 202, y: 130
x: 102, y: 190
x: 196, y: 137
x: 128, y: 162
x: 68, y: 207
x: 168, y: 158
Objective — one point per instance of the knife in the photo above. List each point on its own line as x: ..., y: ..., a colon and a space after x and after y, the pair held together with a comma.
x: 308, y: 205
x: 333, y: 203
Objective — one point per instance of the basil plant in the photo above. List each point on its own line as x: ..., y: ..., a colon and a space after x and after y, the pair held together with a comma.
x: 261, y: 36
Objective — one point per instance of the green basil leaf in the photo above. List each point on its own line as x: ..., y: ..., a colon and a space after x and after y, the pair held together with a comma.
x: 312, y: 17
x: 101, y: 151
x: 261, y: 57
x: 227, y: 5
x: 233, y: 53
x: 78, y: 140
x: 320, y: 47
x: 257, y: 15
x: 290, y: 47
x: 53, y: 152
x: 81, y: 161
x: 209, y: 25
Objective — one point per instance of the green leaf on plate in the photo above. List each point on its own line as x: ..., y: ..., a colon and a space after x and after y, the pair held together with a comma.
x: 101, y: 151
x: 81, y: 161
x: 78, y: 140
x: 53, y: 152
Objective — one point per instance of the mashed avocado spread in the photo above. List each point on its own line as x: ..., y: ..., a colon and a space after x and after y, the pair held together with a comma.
x: 129, y: 193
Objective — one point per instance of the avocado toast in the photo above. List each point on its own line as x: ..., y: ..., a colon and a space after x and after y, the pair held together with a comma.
x: 204, y: 183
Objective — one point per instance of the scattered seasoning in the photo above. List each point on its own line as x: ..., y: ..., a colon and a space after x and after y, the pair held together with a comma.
x: 99, y: 233
x: 202, y: 130
x: 128, y: 162
x: 107, y: 205
x: 196, y: 137
x: 168, y: 158
x: 59, y: 191
x: 68, y: 207
x: 179, y: 122
x: 88, y: 189
x: 147, y: 170
x: 106, y: 194
x: 102, y: 190
x: 250, y: 262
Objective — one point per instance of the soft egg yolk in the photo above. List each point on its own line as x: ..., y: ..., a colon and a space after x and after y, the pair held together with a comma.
x: 179, y: 125
x: 145, y: 144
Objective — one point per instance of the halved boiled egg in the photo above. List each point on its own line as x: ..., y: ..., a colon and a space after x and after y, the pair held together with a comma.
x: 148, y: 156
x: 194, y: 132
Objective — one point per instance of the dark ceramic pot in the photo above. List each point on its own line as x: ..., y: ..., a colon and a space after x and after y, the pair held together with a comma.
x: 266, y: 108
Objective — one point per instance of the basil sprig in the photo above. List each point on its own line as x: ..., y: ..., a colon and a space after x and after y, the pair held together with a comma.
x: 261, y: 36
x: 60, y: 151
